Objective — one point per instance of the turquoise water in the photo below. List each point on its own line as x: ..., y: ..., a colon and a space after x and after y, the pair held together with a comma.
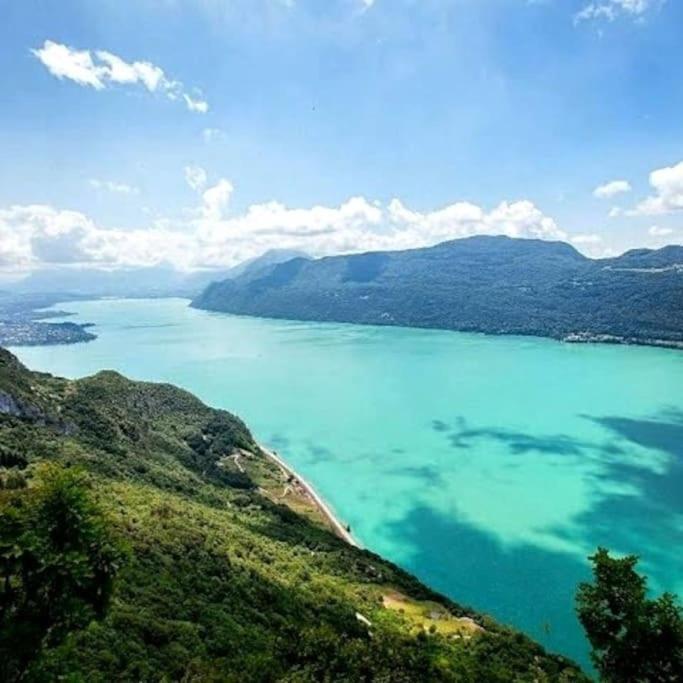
x: 488, y: 466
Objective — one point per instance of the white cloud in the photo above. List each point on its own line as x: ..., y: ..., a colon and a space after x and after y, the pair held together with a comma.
x: 118, y: 71
x: 100, y: 69
x: 210, y: 135
x: 612, y: 188
x: 591, y: 244
x: 65, y: 62
x: 112, y: 186
x: 215, y: 200
x: 609, y: 10
x: 200, y: 106
x: 37, y: 234
x: 668, y: 197
x: 196, y: 177
x: 211, y: 237
x: 657, y: 231
x: 41, y: 233
x: 590, y: 238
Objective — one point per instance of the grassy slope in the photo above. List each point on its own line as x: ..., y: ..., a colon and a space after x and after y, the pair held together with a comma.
x: 224, y: 582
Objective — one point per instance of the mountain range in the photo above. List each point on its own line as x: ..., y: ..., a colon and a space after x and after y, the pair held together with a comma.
x: 490, y: 284
x: 153, y: 281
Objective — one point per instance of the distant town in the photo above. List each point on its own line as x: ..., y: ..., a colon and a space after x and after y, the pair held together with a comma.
x: 23, y: 322
x: 32, y: 333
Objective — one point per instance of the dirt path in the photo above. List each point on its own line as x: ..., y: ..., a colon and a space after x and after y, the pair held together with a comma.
x: 236, y: 458
x: 339, y: 528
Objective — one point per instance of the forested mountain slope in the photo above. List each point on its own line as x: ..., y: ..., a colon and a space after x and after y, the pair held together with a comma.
x: 221, y: 581
x: 496, y: 285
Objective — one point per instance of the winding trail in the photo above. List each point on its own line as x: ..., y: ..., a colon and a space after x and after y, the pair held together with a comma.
x: 324, y: 508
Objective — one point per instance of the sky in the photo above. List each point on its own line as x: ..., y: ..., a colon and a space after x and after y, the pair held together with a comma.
x: 199, y: 133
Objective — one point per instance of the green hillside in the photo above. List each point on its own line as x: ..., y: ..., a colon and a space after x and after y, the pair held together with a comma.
x: 228, y: 572
x: 490, y: 284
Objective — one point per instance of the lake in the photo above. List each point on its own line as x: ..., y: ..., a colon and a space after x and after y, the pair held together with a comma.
x: 488, y: 466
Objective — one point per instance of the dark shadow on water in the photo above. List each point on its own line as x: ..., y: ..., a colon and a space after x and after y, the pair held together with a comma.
x: 648, y: 523
x: 525, y: 586
x: 440, y: 426
x: 318, y: 454
x: 529, y: 586
x: 665, y: 433
x: 425, y: 473
x: 662, y: 489
x: 637, y: 526
x: 519, y: 443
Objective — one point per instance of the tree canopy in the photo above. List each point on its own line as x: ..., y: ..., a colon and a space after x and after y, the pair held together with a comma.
x: 634, y: 638
x: 57, y: 564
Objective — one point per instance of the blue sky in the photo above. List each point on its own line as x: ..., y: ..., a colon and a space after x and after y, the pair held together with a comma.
x: 334, y: 125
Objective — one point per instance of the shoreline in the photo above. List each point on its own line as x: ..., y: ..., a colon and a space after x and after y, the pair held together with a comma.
x: 573, y: 338
x: 324, y: 508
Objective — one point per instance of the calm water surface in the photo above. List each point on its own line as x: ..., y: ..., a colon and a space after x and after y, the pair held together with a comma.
x: 488, y: 466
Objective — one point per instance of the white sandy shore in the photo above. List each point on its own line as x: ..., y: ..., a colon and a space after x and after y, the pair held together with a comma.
x: 341, y: 530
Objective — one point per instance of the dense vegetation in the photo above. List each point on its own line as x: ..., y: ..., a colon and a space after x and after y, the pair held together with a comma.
x: 57, y: 565
x: 484, y: 284
x: 214, y: 578
x: 634, y: 638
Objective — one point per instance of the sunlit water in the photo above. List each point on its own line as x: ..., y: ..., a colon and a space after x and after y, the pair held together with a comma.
x: 488, y: 466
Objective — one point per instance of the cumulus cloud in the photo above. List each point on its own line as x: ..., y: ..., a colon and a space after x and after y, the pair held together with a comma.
x: 100, y: 69
x: 112, y: 186
x: 609, y: 10
x: 41, y: 233
x: 667, y: 184
x: 38, y: 234
x: 215, y: 200
x: 612, y: 188
x: 211, y: 236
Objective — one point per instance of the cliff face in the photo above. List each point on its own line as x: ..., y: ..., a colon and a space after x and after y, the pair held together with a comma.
x: 223, y: 581
x: 495, y: 285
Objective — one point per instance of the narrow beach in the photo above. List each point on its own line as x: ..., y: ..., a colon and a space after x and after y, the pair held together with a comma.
x: 339, y: 528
